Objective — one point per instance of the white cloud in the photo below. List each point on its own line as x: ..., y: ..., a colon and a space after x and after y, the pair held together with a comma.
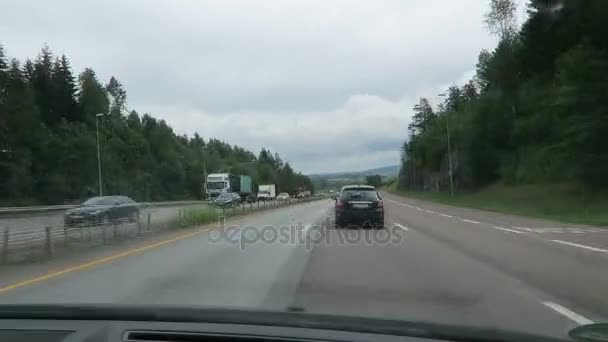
x: 335, y: 77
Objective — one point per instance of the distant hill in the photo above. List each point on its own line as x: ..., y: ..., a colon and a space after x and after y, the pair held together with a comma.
x: 330, y: 179
x: 386, y: 171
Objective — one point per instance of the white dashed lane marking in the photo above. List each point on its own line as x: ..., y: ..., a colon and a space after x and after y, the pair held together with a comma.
x: 401, y: 226
x: 594, y: 249
x: 566, y: 230
x: 509, y: 230
x: 517, y: 230
x: 568, y: 313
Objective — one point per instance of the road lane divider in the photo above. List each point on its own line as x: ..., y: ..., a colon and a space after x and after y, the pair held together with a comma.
x: 568, y: 313
x: 509, y: 230
x: 445, y: 215
x: 594, y: 249
x: 471, y: 221
x: 97, y: 262
x: 401, y: 226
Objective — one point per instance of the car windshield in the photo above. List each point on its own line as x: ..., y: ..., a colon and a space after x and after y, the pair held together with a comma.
x: 215, y: 185
x: 434, y: 161
x: 101, y: 201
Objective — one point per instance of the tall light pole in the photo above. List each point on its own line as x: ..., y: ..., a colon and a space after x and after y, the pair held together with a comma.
x: 204, y: 158
x: 450, y: 170
x: 97, y: 116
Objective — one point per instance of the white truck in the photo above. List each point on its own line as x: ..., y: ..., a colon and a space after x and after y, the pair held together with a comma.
x: 219, y: 183
x: 267, y: 192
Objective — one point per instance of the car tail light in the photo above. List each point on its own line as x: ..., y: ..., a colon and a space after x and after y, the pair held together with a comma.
x: 339, y: 204
x: 380, y: 206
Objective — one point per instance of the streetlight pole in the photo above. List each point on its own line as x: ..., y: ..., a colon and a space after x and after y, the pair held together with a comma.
x: 450, y: 170
x: 447, y: 128
x: 97, y: 116
x: 204, y: 157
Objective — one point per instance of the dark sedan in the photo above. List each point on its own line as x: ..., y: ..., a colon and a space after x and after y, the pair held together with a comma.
x: 228, y: 199
x: 359, y: 205
x: 103, y: 210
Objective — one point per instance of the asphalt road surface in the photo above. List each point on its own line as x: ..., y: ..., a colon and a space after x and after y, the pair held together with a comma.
x: 432, y: 263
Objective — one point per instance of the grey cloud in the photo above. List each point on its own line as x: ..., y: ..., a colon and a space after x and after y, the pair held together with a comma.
x: 304, y: 68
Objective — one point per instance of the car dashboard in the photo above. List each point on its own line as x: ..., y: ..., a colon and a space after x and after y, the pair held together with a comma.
x: 137, y: 331
x: 109, y: 323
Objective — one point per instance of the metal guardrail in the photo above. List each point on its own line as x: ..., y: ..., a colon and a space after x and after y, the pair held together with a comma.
x: 7, y: 211
x: 23, y: 244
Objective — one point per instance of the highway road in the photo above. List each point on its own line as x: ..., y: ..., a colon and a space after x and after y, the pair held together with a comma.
x: 432, y: 263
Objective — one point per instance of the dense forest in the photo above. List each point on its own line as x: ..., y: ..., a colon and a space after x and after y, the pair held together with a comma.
x: 535, y: 113
x: 48, y: 142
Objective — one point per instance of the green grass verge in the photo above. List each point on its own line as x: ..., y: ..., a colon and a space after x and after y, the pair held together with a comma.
x: 557, y: 202
x: 191, y: 217
x: 196, y: 216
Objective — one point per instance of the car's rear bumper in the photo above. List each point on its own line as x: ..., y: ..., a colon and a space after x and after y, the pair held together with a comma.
x: 360, y: 216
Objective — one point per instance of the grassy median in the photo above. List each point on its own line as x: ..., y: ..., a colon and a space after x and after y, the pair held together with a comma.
x: 557, y: 202
x: 191, y: 217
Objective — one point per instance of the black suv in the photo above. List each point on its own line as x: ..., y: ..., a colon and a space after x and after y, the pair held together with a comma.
x: 359, y: 205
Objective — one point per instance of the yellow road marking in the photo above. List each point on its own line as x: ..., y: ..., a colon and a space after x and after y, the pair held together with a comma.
x: 95, y: 262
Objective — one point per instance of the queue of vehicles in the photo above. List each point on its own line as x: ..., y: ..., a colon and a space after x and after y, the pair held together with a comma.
x: 226, y: 189
x: 223, y: 189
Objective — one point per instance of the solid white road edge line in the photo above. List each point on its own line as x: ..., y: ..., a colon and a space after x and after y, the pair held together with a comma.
x: 568, y: 313
x: 401, y: 226
x: 509, y: 230
x: 471, y: 221
x: 581, y: 246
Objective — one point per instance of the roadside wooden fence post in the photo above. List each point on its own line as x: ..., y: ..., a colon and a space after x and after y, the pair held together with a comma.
x: 222, y: 218
x: 4, y: 257
x: 48, y: 247
x: 65, y: 236
x: 148, y: 226
x: 103, y: 234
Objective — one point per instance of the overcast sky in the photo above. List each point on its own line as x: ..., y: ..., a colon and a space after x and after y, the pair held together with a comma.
x: 328, y: 84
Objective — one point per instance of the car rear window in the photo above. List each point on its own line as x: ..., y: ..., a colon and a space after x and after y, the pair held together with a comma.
x: 362, y: 194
